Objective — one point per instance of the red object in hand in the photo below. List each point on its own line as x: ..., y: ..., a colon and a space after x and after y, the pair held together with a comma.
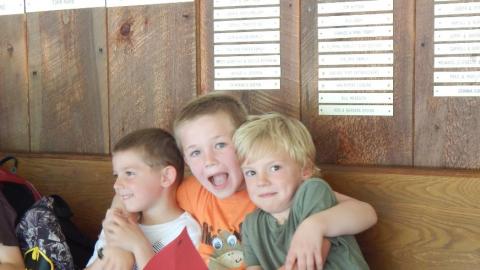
x: 180, y: 254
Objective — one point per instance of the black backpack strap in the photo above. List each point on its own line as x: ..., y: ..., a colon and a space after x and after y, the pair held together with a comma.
x: 15, y: 163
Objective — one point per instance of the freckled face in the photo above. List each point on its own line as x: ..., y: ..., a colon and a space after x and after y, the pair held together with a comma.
x: 209, y: 152
x: 272, y: 182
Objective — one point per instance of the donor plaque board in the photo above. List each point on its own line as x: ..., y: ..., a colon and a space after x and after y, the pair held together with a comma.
x: 456, y: 48
x: 11, y: 7
x: 355, y: 57
x: 246, y: 44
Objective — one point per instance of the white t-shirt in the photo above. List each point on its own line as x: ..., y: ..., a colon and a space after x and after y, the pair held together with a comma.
x: 161, y: 234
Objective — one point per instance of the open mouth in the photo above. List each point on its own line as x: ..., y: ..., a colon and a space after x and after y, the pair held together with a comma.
x: 219, y: 181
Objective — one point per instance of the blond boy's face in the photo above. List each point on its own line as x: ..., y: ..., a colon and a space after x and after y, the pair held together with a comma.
x: 272, y: 181
x: 209, y: 152
x: 138, y: 185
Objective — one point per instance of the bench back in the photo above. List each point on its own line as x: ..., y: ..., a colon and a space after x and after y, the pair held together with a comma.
x: 428, y: 219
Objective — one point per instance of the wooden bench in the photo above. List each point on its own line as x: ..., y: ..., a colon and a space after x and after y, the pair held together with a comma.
x: 428, y: 219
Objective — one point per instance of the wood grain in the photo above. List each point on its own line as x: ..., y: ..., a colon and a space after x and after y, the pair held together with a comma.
x: 14, y: 130
x: 152, y: 65
x: 68, y: 83
x: 371, y: 140
x: 426, y: 219
x: 446, y: 128
x: 287, y: 99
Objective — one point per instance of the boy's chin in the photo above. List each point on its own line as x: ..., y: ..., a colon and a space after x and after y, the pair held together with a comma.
x: 222, y: 193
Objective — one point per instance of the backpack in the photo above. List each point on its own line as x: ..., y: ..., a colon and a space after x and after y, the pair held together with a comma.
x: 19, y: 193
x: 48, y: 238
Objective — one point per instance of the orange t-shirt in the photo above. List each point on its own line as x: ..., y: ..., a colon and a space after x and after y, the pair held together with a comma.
x: 221, y: 222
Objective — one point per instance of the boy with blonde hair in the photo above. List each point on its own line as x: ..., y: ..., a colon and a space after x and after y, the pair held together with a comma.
x: 278, y: 161
x: 147, y: 167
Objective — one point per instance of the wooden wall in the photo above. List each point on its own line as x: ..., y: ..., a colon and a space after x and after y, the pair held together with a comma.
x: 93, y: 75
x: 74, y: 81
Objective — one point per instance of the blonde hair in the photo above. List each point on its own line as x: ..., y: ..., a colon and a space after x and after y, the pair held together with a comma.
x: 210, y: 104
x: 273, y: 132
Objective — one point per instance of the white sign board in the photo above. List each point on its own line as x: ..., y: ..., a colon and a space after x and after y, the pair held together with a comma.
x: 355, y: 85
x: 264, y: 48
x: 357, y: 6
x: 239, y: 3
x: 247, y: 84
x: 356, y: 110
x: 48, y: 5
x: 356, y: 59
x: 354, y: 98
x: 10, y: 7
x: 355, y: 46
x: 457, y: 90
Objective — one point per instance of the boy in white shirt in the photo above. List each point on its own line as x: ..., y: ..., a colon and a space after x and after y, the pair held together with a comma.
x: 148, y: 168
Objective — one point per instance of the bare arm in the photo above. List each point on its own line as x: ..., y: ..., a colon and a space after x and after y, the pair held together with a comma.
x: 114, y: 259
x: 11, y: 258
x: 349, y: 216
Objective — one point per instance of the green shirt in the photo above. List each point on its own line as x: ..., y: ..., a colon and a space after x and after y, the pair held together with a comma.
x: 266, y: 243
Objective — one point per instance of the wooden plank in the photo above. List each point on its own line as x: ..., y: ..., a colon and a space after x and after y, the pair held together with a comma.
x: 68, y: 83
x: 446, y: 128
x: 151, y: 64
x: 362, y: 139
x: 426, y: 219
x: 285, y: 100
x: 14, y: 133
x: 85, y: 182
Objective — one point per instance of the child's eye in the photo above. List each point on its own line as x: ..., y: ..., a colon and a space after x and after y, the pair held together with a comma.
x: 129, y: 173
x: 194, y: 153
x: 220, y: 145
x: 115, y: 176
x: 275, y: 168
x: 249, y: 173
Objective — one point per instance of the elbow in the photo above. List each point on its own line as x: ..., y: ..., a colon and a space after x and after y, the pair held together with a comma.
x: 373, y: 218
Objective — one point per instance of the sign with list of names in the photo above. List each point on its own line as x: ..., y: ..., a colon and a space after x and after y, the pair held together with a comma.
x: 11, y: 7
x: 456, y: 39
x: 49, y: 5
x: 246, y: 44
x: 355, y: 57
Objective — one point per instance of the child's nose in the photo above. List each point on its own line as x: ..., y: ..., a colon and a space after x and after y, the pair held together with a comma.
x: 118, y: 183
x: 210, y: 158
x: 262, y: 179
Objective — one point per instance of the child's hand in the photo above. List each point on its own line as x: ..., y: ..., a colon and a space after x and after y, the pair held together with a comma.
x: 307, y: 250
x: 114, y: 259
x: 122, y: 230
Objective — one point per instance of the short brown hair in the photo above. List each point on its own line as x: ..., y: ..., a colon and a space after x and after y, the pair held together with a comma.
x: 156, y: 146
x: 272, y: 132
x: 209, y: 104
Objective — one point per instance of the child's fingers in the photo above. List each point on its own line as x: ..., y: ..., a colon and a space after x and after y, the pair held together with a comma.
x: 318, y: 261
x: 289, y: 261
x: 310, y: 262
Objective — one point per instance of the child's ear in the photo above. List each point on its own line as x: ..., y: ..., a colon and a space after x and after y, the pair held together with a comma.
x: 169, y: 175
x: 307, y: 172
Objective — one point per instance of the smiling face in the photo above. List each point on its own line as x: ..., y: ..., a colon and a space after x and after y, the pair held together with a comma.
x: 209, y: 152
x: 272, y: 181
x: 138, y: 185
